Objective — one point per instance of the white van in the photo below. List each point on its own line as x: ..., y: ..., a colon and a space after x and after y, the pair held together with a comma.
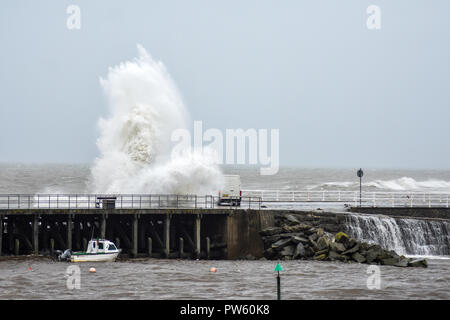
x: 231, y: 190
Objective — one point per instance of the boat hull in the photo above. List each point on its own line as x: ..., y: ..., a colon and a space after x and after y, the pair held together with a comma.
x: 94, y: 257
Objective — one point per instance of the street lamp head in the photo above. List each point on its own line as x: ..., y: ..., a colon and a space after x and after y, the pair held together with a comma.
x: 360, y: 173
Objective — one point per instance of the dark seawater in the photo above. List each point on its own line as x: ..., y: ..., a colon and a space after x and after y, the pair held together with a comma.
x: 186, y: 279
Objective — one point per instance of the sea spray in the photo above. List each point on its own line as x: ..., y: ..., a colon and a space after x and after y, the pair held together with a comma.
x: 405, y: 184
x: 135, y: 145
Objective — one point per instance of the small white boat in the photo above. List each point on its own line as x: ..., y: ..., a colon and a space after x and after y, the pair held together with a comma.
x: 97, y: 250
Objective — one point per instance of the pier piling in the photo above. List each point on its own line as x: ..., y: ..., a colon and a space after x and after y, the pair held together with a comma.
x: 16, y: 247
x: 134, y: 251
x: 149, y: 247
x: 208, y: 248
x: 35, y: 234
x: 181, y: 247
x: 69, y: 232
x: 167, y: 236
x: 197, y: 237
x: 103, y: 227
x: 52, y: 247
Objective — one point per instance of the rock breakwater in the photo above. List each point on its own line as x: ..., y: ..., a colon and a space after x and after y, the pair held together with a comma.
x: 292, y: 238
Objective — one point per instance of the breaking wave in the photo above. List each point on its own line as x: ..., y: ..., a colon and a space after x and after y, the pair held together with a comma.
x: 401, y: 184
x: 135, y: 145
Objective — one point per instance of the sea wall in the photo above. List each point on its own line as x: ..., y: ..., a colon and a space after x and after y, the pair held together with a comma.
x: 420, y: 212
x: 243, y: 227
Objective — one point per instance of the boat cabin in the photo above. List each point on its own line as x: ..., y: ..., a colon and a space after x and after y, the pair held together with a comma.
x: 101, y: 246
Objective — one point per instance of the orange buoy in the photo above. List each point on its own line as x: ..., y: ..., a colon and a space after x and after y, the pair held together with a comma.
x: 213, y: 269
x: 92, y: 270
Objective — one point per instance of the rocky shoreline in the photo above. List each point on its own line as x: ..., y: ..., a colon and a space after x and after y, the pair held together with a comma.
x: 291, y: 239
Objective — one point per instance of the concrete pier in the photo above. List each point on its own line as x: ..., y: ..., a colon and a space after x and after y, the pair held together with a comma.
x: 159, y: 233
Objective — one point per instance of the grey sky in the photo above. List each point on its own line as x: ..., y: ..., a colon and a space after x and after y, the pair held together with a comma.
x: 341, y: 95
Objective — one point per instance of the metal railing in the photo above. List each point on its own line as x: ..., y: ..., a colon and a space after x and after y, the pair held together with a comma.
x: 122, y: 201
x: 252, y: 199
x: 374, y: 199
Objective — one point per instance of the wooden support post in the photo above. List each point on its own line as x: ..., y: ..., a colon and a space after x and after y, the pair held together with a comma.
x: 167, y: 236
x: 52, y: 247
x: 188, y: 238
x: 103, y: 227
x: 35, y: 237
x: 134, y: 250
x: 197, y: 237
x: 1, y: 234
x: 149, y: 247
x: 77, y: 233
x: 10, y: 230
x: 141, y: 233
x: 208, y: 248
x: 16, y: 247
x: 84, y: 244
x: 181, y: 247
x: 69, y: 232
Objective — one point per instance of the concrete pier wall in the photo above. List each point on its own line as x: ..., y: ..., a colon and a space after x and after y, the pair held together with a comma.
x: 165, y: 233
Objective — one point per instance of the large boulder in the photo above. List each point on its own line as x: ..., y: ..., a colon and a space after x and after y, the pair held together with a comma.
x: 333, y: 256
x: 337, y: 247
x: 403, y: 262
x: 320, y: 257
x: 373, y: 253
x: 288, y: 251
x: 313, y: 237
x: 297, y: 239
x: 280, y: 244
x: 270, y: 231
x: 341, y: 237
x: 292, y: 219
x: 358, y: 257
x: 418, y: 263
x: 300, y: 251
x: 323, y: 243
x: 354, y: 249
x: 390, y: 261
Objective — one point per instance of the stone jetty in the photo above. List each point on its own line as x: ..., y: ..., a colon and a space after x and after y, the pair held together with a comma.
x: 291, y: 239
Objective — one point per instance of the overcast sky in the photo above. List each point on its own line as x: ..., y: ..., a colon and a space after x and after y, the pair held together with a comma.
x: 340, y: 94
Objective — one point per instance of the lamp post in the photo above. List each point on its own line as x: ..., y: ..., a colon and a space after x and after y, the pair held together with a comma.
x: 360, y: 174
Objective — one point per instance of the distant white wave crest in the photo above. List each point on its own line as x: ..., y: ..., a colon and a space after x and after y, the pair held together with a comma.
x: 145, y: 107
x: 400, y: 184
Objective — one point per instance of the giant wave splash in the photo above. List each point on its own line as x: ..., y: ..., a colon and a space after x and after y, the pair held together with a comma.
x: 135, y: 145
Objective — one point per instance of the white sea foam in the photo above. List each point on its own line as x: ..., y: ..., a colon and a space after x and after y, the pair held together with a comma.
x: 400, y: 184
x: 145, y: 107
